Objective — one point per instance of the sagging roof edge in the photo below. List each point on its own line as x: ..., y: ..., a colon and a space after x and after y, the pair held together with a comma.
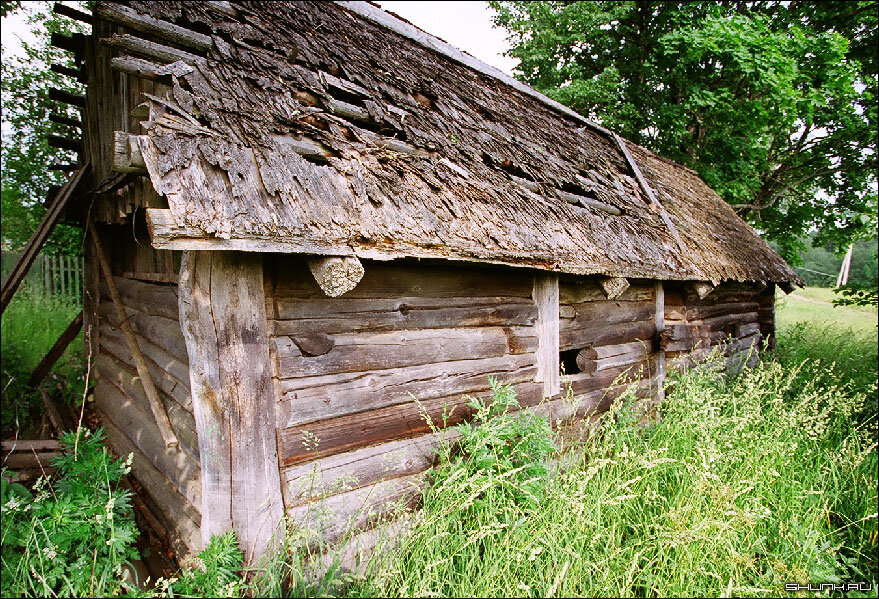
x: 166, y: 234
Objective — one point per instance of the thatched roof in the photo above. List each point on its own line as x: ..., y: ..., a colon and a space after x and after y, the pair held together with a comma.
x: 312, y: 128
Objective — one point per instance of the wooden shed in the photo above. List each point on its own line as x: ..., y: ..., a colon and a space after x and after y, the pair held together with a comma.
x: 308, y: 213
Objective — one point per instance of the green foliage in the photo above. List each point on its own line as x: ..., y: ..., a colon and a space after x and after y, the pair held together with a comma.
x: 72, y: 535
x: 502, y: 443
x: 856, y: 296
x: 216, y: 573
x: 30, y: 326
x: 773, y: 104
x: 25, y: 154
x: 742, y: 485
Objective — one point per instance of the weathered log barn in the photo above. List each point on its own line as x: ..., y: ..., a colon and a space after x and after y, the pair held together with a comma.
x: 306, y: 214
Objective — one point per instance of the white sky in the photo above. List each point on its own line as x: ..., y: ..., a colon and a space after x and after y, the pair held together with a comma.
x: 465, y: 25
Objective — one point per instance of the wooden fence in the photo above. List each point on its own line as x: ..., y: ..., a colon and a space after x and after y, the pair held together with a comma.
x: 58, y: 277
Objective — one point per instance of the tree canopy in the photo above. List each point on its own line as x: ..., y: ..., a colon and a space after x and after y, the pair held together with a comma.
x: 772, y: 103
x: 25, y: 153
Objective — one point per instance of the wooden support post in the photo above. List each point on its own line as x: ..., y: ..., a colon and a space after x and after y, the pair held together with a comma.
x: 149, y: 388
x: 35, y: 243
x: 336, y: 275
x: 61, y: 344
x: 546, y: 296
x: 222, y: 312
x: 659, y: 292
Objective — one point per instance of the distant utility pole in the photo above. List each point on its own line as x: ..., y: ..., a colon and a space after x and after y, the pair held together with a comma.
x: 842, y: 279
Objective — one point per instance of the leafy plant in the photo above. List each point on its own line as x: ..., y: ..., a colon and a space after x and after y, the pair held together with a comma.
x: 74, y: 534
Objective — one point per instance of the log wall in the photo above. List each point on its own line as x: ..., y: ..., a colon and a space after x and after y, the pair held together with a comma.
x: 605, y: 346
x: 359, y: 376
x: 734, y: 317
x: 170, y: 476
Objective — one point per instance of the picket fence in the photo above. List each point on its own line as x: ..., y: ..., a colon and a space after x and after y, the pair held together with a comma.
x: 57, y: 277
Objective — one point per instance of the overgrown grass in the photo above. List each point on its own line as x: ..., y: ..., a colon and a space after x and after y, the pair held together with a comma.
x: 743, y: 485
x: 29, y: 328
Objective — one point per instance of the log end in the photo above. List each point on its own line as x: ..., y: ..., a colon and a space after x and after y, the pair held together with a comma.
x: 336, y: 275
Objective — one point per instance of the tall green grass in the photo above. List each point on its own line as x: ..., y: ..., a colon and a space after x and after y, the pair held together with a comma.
x: 29, y: 328
x: 742, y: 485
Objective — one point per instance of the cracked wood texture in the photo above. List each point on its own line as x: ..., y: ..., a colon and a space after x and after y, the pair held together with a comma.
x: 317, y: 127
x: 222, y: 312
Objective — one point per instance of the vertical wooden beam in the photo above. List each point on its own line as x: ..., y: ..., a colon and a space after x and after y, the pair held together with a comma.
x: 222, y: 312
x: 546, y: 296
x: 660, y: 353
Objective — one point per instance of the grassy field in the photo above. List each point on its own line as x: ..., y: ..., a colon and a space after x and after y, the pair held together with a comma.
x: 814, y: 305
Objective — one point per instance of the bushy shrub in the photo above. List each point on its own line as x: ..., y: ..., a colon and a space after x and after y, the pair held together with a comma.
x: 72, y: 534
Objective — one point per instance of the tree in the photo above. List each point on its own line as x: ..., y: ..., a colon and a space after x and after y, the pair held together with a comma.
x: 25, y: 154
x: 772, y: 103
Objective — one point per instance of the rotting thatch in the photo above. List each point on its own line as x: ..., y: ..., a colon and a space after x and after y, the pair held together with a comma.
x: 325, y: 132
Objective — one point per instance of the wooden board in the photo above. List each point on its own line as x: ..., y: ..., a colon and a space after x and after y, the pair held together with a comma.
x: 223, y: 314
x: 309, y: 399
x: 335, y: 435
x: 546, y: 298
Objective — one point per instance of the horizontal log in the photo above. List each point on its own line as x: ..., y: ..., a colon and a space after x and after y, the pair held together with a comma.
x: 167, y: 32
x: 563, y: 411
x: 163, y: 332
x: 326, y: 437
x: 126, y: 381
x: 26, y: 460
x: 146, y: 297
x: 64, y: 120
x: 590, y: 361
x: 710, y: 311
x: 72, y: 43
x: 77, y: 74
x: 355, y: 469
x: 304, y: 316
x: 64, y: 168
x: 362, y: 352
x: 30, y: 445
x: 165, y: 370
x: 748, y: 329
x: 608, y: 312
x: 61, y: 95
x: 701, y: 289
x: 65, y: 143
x: 613, y: 287
x: 176, y: 465
x: 73, y: 13
x: 597, y: 333
x: 338, y: 515
x: 316, y: 398
x: 181, y: 517
x: 729, y: 320
x: 142, y: 47
x: 336, y: 275
x: 684, y: 337
x: 387, y: 280
x: 586, y: 290
x: 151, y: 71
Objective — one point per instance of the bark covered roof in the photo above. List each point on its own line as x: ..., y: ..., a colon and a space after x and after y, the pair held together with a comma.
x: 311, y: 125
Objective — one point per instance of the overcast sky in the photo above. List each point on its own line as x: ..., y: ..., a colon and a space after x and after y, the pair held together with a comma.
x: 465, y: 25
